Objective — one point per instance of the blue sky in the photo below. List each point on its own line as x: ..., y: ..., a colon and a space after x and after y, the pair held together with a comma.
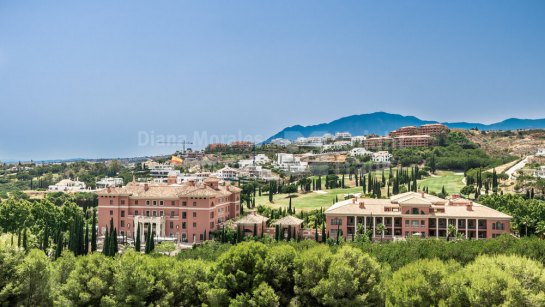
x: 87, y: 79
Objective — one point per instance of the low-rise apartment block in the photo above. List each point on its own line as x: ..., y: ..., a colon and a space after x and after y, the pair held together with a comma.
x: 415, y: 214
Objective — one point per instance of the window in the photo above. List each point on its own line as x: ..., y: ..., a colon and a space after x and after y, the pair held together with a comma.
x: 135, y: 212
x: 171, y: 225
x: 155, y: 203
x: 173, y: 203
x: 184, y: 203
x: 414, y: 211
x: 161, y: 213
x: 211, y: 225
x: 194, y: 225
x: 212, y: 204
x: 111, y: 202
x: 122, y: 213
x: 122, y: 223
x: 194, y: 214
x: 184, y: 226
x: 184, y: 215
x: 336, y: 221
x: 171, y: 213
x: 136, y: 202
x: 160, y: 203
x: 154, y: 213
x: 111, y: 212
x: 122, y: 201
x: 147, y: 202
x: 194, y: 203
x: 211, y: 215
x: 147, y: 213
x: 200, y: 236
x: 498, y: 226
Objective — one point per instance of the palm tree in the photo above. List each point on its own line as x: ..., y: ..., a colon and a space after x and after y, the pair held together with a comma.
x: 540, y: 228
x: 380, y: 230
x: 451, y: 231
x: 526, y: 220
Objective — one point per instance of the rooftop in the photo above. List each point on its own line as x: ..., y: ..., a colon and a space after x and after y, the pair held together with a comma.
x: 455, y: 207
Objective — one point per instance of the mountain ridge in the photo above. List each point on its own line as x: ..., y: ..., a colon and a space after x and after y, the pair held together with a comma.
x: 381, y: 123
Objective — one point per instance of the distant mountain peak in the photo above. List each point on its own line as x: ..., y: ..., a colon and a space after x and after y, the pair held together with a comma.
x: 381, y: 123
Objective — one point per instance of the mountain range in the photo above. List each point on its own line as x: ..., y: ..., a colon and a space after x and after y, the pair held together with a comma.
x: 381, y: 123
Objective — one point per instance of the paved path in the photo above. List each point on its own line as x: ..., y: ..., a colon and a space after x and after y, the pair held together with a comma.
x: 517, y: 166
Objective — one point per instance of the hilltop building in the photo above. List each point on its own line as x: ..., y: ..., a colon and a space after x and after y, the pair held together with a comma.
x: 416, y: 214
x: 429, y: 129
x: 186, y: 212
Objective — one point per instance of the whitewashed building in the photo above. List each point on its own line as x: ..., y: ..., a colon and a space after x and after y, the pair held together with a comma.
x: 360, y: 151
x: 68, y: 185
x: 381, y: 157
x: 109, y: 182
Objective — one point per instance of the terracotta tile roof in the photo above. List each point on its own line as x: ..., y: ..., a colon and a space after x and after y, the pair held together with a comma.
x: 251, y: 219
x: 454, y: 208
x: 139, y: 190
x: 288, y: 220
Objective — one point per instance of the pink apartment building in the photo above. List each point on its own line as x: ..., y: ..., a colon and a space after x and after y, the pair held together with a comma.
x: 187, y: 212
x: 415, y: 213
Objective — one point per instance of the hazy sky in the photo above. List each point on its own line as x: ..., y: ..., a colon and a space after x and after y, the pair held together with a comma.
x: 90, y: 78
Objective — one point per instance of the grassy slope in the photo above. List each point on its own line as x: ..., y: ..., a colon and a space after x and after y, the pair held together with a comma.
x: 452, y: 181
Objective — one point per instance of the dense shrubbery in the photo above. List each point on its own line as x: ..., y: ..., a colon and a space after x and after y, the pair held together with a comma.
x: 506, y: 271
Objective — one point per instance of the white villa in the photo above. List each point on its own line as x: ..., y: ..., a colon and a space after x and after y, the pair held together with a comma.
x: 290, y: 163
x: 540, y: 173
x: 109, y: 182
x: 68, y: 185
x: 381, y: 157
x: 360, y: 151
x: 281, y: 142
x: 260, y: 159
x: 540, y: 152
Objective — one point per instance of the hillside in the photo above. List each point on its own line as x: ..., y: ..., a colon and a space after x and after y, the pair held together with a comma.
x: 381, y: 123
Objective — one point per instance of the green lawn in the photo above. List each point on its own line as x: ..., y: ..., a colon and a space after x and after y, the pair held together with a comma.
x: 452, y: 182
x: 313, y: 200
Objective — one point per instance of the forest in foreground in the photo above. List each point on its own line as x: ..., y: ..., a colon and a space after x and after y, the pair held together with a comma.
x: 503, y: 271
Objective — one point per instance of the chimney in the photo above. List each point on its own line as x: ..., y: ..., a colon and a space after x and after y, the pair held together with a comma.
x: 469, y: 206
x: 353, y: 200
x: 422, y: 194
x: 455, y: 196
x: 362, y: 205
x: 109, y: 189
x: 146, y: 187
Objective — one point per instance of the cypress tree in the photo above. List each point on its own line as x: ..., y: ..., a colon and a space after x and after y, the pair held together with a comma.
x: 137, y: 240
x: 316, y: 230
x: 106, y: 245
x: 25, y: 240
x: 255, y: 230
x: 338, y: 232
x: 94, y: 232
x: 58, y: 248
x: 19, y: 237
x: 289, y: 206
x: 289, y: 233
x: 45, y: 242
x: 323, y: 232
x: 86, y: 249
